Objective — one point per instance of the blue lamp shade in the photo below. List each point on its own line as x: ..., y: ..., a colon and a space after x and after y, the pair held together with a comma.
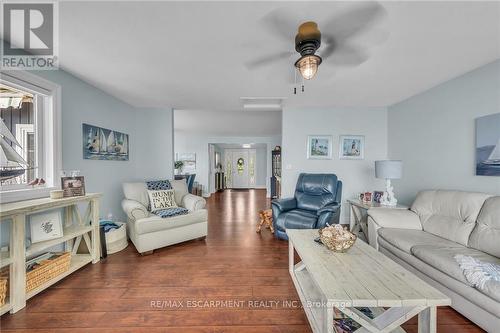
x: 389, y: 169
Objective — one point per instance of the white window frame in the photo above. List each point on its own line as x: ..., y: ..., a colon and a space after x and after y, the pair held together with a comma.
x: 22, y: 131
x: 48, y: 140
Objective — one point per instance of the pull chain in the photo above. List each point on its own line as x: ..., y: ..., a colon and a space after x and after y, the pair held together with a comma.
x: 295, y: 82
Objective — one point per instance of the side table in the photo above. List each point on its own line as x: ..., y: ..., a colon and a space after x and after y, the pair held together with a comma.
x: 358, y: 216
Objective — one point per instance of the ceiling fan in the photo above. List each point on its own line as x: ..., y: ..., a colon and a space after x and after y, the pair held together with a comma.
x: 333, y: 45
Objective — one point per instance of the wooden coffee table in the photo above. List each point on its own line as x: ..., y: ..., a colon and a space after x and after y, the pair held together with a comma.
x: 328, y: 282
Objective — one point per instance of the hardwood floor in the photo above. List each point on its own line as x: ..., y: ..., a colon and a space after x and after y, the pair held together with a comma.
x: 235, y: 281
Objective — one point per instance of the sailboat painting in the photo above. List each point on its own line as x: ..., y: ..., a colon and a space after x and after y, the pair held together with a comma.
x: 488, y: 145
x: 104, y: 144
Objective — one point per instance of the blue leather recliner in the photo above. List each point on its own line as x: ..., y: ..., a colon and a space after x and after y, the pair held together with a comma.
x: 316, y: 202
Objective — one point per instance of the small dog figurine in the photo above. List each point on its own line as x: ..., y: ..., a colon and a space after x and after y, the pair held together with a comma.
x: 266, y: 217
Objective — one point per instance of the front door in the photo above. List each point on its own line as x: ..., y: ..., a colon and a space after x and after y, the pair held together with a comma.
x: 240, y: 168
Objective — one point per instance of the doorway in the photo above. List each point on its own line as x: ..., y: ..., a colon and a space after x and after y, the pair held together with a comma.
x: 237, y: 166
x: 240, y: 166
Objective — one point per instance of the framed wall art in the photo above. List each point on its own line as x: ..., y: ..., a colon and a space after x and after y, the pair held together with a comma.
x: 352, y: 147
x: 46, y: 226
x: 488, y: 145
x: 319, y: 147
x: 104, y: 144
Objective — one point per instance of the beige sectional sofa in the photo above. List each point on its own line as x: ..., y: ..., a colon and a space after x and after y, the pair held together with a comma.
x: 426, y: 238
x: 149, y: 232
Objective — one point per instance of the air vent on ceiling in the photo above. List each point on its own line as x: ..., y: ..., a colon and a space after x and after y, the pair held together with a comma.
x: 262, y: 103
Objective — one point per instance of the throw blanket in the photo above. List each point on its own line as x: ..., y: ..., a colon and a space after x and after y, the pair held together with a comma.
x: 484, y: 276
x: 157, y: 185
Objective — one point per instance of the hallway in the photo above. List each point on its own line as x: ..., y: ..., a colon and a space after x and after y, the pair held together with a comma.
x: 234, y: 281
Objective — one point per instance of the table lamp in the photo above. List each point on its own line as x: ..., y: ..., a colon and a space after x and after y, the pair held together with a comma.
x: 388, y: 169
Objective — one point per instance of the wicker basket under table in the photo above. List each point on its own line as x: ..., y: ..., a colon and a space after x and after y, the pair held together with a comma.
x: 3, y: 290
x: 48, y: 270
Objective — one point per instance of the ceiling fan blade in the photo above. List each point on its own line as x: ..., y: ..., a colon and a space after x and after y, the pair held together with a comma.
x: 355, y: 20
x: 328, y: 47
x: 282, y: 22
x: 267, y: 60
x: 348, y: 55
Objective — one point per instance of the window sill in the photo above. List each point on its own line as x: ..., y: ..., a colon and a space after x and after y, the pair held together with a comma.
x: 25, y: 194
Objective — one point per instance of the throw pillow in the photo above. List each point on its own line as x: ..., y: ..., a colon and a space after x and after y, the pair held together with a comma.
x: 156, y: 185
x: 159, y: 185
x: 161, y: 199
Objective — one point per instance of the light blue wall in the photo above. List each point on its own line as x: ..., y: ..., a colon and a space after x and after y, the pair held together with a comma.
x: 434, y: 134
x: 357, y: 175
x: 82, y: 103
x: 154, y: 157
x: 150, y: 141
x: 261, y: 167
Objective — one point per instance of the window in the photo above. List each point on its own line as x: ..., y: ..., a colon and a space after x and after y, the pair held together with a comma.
x: 18, y: 149
x: 30, y: 132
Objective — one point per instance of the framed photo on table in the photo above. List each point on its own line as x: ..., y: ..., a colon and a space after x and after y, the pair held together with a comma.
x: 352, y: 147
x: 73, y: 186
x: 319, y: 147
x: 377, y: 196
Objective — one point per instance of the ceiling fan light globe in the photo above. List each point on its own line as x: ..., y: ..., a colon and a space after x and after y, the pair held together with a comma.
x: 308, y: 66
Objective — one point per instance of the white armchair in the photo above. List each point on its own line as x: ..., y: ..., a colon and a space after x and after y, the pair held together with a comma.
x: 390, y: 218
x: 149, y: 232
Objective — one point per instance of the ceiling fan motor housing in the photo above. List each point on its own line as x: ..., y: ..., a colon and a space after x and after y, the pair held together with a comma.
x: 308, y: 39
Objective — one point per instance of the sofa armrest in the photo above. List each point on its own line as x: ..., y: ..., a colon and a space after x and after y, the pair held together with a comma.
x: 134, y: 209
x: 284, y: 205
x: 193, y: 202
x: 395, y: 218
x: 390, y: 218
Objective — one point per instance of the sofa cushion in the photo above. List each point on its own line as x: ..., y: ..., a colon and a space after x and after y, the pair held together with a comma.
x: 486, y: 234
x: 442, y: 257
x: 136, y: 191
x: 472, y: 294
x: 180, y: 190
x: 296, y: 219
x: 405, y: 239
x: 156, y: 223
x: 449, y: 214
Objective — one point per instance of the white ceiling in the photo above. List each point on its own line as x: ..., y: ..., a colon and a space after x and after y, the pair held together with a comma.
x: 191, y: 55
x: 228, y: 123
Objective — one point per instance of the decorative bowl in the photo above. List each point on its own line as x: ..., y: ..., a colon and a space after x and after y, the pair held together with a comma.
x: 336, y: 238
x: 56, y: 194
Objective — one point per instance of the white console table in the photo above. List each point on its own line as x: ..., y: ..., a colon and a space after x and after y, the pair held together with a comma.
x: 75, y: 229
